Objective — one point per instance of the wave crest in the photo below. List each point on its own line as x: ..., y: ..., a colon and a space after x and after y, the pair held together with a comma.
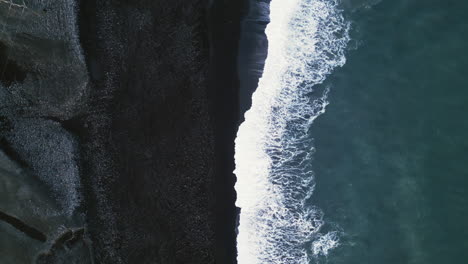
x: 307, y: 39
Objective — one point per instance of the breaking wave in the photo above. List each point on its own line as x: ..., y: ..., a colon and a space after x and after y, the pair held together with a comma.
x: 274, y: 148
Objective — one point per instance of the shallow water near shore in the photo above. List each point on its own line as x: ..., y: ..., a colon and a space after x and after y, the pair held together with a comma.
x: 383, y: 162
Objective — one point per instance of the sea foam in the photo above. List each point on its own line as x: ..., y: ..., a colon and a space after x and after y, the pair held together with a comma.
x: 307, y: 40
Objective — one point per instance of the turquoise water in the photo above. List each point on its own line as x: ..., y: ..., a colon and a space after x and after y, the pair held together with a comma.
x: 391, y: 160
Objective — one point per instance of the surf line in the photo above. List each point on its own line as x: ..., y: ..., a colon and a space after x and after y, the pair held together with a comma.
x: 273, y: 148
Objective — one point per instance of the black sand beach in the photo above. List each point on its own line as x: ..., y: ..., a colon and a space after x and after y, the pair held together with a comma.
x: 130, y: 140
x: 253, y: 49
x: 224, y: 21
x: 158, y: 140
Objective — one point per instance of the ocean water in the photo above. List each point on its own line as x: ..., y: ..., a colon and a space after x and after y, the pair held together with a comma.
x: 355, y: 147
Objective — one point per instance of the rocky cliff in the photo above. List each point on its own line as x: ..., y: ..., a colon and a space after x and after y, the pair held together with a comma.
x: 117, y: 127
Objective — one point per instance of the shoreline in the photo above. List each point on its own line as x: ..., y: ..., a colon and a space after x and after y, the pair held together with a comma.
x: 253, y: 51
x: 152, y: 127
x: 238, y: 57
x: 224, y: 98
x: 157, y: 152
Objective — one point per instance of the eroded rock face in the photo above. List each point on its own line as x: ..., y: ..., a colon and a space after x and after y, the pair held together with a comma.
x: 39, y: 220
x: 43, y: 81
x: 146, y: 120
x: 50, y: 152
x: 71, y: 247
x: 42, y: 69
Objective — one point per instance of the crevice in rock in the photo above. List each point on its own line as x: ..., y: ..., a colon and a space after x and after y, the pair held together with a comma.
x: 12, y: 154
x: 10, y: 71
x: 23, y: 227
x: 74, y: 125
x: 69, y: 239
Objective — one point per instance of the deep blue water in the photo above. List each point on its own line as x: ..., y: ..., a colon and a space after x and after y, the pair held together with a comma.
x: 380, y: 175
x: 392, y: 149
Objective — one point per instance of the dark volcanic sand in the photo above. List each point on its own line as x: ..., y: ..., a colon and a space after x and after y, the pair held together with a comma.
x: 253, y: 51
x: 157, y: 145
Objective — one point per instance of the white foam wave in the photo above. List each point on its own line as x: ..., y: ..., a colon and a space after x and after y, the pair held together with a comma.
x: 325, y: 243
x: 307, y: 39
